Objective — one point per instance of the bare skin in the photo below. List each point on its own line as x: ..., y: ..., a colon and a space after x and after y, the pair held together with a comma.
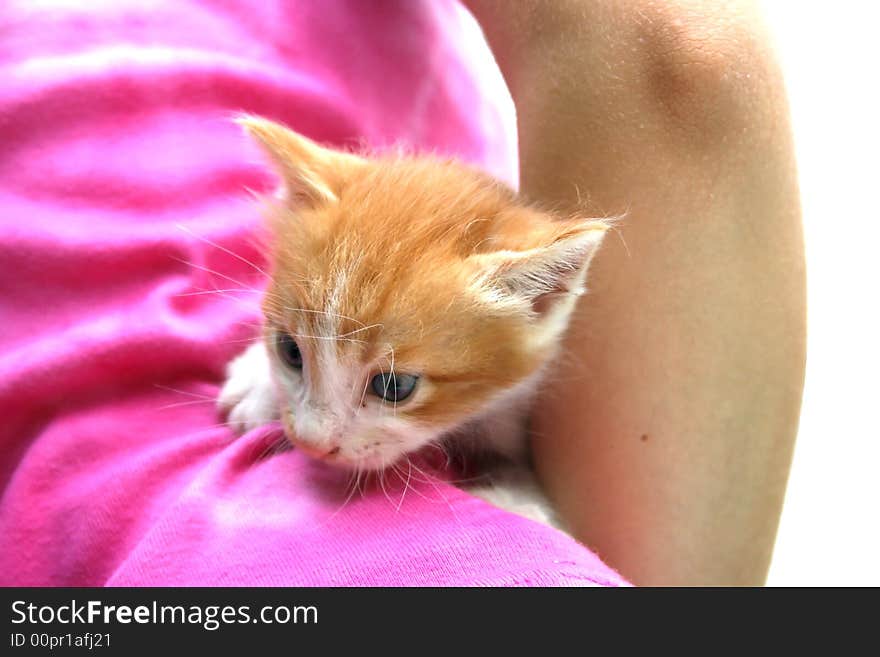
x: 667, y: 435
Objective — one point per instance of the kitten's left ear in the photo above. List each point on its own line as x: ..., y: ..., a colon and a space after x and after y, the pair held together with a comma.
x: 311, y: 174
x: 541, y: 275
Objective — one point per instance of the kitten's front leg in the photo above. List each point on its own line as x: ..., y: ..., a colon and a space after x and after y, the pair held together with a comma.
x: 248, y: 397
x: 512, y: 485
x: 514, y: 488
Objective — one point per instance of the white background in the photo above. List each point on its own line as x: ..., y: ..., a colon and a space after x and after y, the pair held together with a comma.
x: 830, y: 530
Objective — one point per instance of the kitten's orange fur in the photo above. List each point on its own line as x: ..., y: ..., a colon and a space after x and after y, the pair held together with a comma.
x: 419, y: 264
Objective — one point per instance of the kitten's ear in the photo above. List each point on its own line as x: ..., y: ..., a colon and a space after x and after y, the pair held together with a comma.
x: 541, y: 275
x: 310, y: 173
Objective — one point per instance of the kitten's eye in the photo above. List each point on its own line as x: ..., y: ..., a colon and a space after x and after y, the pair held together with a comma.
x: 289, y: 351
x: 394, y: 387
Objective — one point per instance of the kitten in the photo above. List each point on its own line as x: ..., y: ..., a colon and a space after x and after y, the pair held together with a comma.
x: 412, y: 300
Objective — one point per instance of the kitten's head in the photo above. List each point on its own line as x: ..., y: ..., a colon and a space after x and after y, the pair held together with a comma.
x: 407, y: 294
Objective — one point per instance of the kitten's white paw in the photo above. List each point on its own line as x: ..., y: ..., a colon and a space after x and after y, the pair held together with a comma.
x: 248, y: 396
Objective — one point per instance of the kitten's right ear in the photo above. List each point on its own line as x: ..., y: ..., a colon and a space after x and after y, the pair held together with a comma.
x: 310, y: 173
x: 554, y: 268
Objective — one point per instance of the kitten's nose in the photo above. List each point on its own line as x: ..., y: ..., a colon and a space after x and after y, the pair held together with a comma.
x: 318, y: 436
x: 321, y: 451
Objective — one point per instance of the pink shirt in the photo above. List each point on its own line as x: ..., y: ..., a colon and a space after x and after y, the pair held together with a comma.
x: 115, y: 467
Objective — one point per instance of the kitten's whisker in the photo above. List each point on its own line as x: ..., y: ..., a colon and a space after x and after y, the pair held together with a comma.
x: 253, y: 339
x: 388, y: 381
x: 222, y: 248
x: 384, y: 490
x: 202, y: 429
x: 437, y: 489
x: 325, y: 337
x: 323, y: 312
x: 281, y: 446
x: 243, y: 303
x: 357, y: 408
x: 394, y: 407
x: 414, y: 489
x: 186, y: 403
x: 262, y: 422
x: 443, y: 451
x: 272, y: 448
x: 455, y: 482
x: 363, y: 397
x: 365, y: 328
x: 256, y: 326
x: 225, y: 290
x: 416, y: 477
x: 357, y: 480
x: 405, y: 484
x: 344, y: 502
x: 212, y: 271
x: 183, y: 392
x: 428, y: 480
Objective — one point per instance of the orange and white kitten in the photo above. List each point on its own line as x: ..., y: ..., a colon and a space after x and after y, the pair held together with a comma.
x: 412, y: 300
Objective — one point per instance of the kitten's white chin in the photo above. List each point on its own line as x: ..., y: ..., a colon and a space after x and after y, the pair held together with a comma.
x: 368, y: 464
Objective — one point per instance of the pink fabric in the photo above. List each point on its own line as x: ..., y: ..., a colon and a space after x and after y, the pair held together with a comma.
x: 117, y: 153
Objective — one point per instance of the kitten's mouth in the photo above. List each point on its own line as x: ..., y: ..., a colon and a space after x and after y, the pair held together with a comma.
x: 333, y: 455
